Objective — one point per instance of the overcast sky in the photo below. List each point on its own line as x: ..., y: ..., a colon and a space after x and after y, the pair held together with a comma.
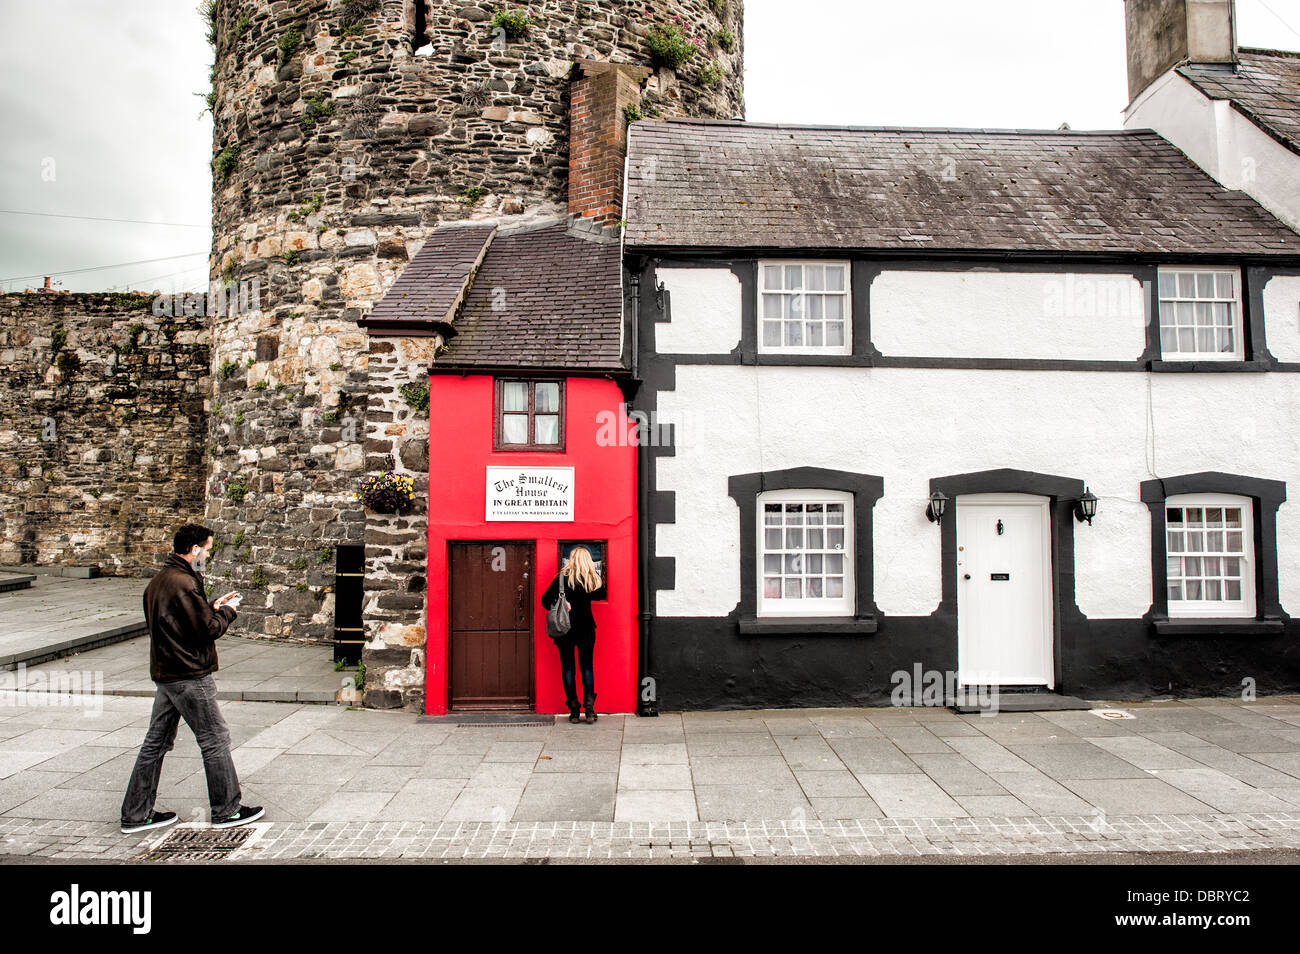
x: 101, y: 119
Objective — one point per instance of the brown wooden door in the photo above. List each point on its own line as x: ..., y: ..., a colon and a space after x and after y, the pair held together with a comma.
x: 491, y: 590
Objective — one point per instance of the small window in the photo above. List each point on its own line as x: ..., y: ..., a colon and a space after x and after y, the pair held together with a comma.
x: 416, y: 18
x: 1211, y: 555
x: 1200, y: 314
x: 529, y: 415
x: 803, y: 308
x: 805, y: 553
x: 597, y: 550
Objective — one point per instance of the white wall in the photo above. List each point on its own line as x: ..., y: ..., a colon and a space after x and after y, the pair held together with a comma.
x: 1282, y: 317
x: 969, y: 314
x: 705, y: 311
x: 1223, y: 142
x: 978, y: 314
x: 910, y: 424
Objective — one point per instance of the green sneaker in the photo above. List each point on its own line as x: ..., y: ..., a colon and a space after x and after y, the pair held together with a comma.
x: 156, y: 820
x: 242, y: 817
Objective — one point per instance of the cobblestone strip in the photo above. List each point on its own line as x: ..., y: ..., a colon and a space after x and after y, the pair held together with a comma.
x: 868, y: 837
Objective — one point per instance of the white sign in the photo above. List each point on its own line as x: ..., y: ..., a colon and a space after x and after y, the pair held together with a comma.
x: 530, y: 493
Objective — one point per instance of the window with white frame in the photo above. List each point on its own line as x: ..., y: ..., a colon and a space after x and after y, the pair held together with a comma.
x: 1200, y: 314
x: 1210, y: 549
x: 803, y: 308
x: 806, y: 553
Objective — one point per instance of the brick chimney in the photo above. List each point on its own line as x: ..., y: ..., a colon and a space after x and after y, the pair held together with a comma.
x: 598, y: 136
x: 1163, y: 33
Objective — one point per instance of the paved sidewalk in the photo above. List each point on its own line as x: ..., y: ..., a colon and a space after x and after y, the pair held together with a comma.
x: 1198, y: 775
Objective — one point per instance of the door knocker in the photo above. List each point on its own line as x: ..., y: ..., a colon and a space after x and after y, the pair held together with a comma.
x: 999, y: 526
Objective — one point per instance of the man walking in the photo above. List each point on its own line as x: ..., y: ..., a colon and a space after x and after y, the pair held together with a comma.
x: 183, y: 628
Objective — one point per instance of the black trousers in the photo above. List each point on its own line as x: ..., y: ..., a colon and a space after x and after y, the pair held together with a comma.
x: 585, y: 652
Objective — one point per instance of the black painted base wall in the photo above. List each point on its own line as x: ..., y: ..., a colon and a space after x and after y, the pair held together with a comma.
x: 703, y: 663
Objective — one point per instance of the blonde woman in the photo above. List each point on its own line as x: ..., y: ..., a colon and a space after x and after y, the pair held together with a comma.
x: 582, y: 585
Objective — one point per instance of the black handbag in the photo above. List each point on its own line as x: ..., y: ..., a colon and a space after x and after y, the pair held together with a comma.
x: 557, y: 618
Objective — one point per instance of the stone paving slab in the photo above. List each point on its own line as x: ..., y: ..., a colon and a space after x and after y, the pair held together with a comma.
x: 341, y: 782
x: 863, y: 837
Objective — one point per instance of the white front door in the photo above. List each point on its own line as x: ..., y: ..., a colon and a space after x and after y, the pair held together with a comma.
x: 1004, y: 590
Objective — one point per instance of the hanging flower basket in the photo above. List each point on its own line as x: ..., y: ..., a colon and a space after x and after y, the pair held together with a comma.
x: 387, y: 492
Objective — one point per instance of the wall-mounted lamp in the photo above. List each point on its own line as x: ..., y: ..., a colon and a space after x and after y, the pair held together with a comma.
x: 1085, y: 508
x: 934, y: 509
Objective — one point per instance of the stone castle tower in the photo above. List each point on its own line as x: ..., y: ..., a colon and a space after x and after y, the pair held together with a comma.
x: 345, y: 132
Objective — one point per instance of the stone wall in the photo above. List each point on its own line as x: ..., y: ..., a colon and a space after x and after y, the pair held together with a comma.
x: 397, y: 439
x: 102, y: 429
x: 286, y: 455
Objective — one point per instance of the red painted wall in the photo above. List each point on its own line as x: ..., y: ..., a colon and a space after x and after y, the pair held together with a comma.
x: 460, y: 449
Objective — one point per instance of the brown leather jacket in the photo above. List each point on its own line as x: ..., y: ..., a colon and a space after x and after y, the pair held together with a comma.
x: 183, y: 626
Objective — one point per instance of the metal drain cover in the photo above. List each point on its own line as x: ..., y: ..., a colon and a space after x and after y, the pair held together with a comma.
x: 197, y: 844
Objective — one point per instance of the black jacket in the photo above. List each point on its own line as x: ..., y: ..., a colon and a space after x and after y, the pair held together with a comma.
x: 582, y: 625
x: 183, y: 626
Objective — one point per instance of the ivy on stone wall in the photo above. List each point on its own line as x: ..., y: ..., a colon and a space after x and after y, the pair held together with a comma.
x: 416, y: 394
x: 514, y: 23
x: 288, y: 45
x: 226, y: 161
x: 318, y: 108
x: 672, y: 44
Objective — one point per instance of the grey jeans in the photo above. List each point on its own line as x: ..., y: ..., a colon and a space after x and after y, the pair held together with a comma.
x: 195, y: 701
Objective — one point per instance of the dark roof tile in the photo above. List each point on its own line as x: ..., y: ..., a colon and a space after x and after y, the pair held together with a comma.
x: 1265, y: 88
x: 434, y: 283
x: 546, y: 296
x: 710, y: 183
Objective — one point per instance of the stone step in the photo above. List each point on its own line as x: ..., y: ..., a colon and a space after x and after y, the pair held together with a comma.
x: 15, y: 581
x: 71, y: 572
x: 1030, y: 702
x: 55, y: 648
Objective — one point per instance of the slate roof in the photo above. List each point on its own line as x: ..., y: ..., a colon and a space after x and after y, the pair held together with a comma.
x: 727, y: 184
x: 431, y: 287
x: 544, y: 295
x: 1265, y: 88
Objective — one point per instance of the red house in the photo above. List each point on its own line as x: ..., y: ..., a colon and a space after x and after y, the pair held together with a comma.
x: 529, y: 456
x: 531, y: 451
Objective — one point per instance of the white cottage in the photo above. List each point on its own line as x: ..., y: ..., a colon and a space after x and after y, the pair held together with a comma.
x: 1011, y: 407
